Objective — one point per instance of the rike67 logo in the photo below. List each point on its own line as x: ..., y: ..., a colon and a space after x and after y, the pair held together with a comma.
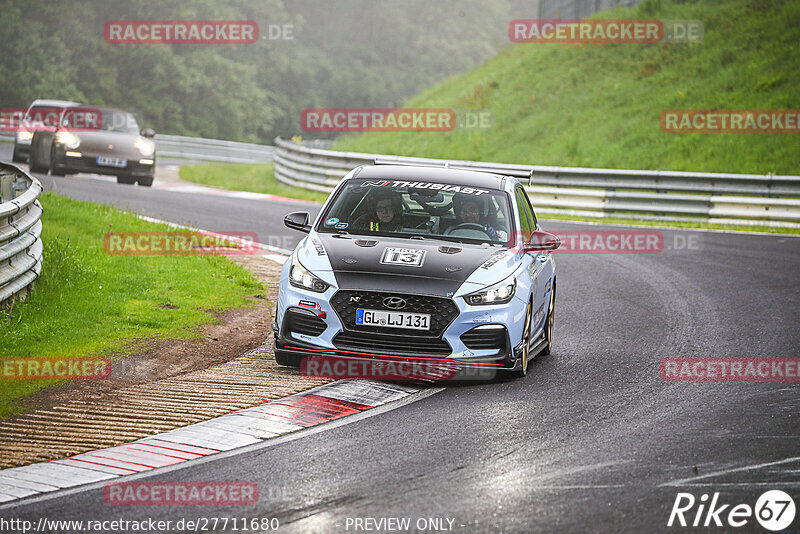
x: 774, y: 510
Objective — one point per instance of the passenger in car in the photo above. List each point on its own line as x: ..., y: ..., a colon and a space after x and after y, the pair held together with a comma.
x: 386, y: 213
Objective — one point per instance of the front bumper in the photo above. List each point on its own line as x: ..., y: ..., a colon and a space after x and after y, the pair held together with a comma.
x: 88, y: 163
x: 391, y: 366
x: 331, y: 339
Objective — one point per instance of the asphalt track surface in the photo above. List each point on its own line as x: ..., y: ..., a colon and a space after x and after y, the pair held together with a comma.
x: 592, y: 440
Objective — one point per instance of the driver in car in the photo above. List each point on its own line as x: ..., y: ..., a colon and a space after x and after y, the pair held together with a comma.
x: 468, y: 211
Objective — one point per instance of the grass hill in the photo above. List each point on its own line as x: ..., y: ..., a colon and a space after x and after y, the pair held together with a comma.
x: 598, y: 105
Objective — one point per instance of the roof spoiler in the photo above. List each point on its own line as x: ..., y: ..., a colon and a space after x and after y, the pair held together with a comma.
x: 520, y: 174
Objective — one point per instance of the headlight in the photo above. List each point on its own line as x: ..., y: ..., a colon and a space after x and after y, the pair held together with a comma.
x: 145, y: 147
x: 499, y: 293
x: 67, y: 139
x: 300, y: 277
x: 24, y: 135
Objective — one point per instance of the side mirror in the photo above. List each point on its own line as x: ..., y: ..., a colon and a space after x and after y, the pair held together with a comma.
x: 298, y: 220
x: 542, y: 241
x: 148, y: 132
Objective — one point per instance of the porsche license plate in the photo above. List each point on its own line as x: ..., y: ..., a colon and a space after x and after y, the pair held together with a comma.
x: 393, y: 319
x: 111, y: 162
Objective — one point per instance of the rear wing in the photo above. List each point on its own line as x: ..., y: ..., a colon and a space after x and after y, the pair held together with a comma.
x: 519, y: 174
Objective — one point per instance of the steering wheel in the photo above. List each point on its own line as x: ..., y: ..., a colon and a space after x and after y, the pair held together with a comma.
x: 470, y: 226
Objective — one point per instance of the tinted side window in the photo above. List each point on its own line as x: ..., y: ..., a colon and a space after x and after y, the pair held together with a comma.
x: 524, y: 216
x: 528, y: 208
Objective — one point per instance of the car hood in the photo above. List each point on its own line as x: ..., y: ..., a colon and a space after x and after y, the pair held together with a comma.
x: 353, y: 262
x: 113, y: 144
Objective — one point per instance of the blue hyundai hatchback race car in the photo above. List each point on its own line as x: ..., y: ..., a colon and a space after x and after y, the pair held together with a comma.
x: 420, y: 263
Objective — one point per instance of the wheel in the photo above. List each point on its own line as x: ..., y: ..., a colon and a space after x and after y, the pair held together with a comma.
x: 287, y: 359
x: 548, y: 327
x: 36, y: 161
x: 526, y: 343
x: 147, y: 182
x: 53, y: 170
x: 16, y: 157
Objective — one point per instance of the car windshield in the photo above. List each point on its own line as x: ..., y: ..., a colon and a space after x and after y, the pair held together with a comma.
x: 414, y: 210
x: 115, y: 120
x: 39, y: 116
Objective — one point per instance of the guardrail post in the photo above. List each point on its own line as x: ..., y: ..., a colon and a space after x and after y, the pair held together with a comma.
x: 6, y: 187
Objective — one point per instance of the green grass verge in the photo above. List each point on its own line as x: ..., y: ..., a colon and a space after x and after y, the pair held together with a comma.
x: 599, y: 105
x: 246, y: 177
x: 89, y: 303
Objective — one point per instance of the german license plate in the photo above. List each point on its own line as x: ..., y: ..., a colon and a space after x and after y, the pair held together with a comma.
x: 393, y: 319
x: 111, y: 162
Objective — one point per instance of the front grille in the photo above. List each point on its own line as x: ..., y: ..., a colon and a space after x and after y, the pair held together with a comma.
x: 442, y: 311
x: 485, y: 338
x: 300, y: 322
x: 387, y: 344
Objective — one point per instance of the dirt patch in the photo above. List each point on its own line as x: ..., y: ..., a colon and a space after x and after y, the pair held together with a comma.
x: 238, y: 330
x: 166, y: 384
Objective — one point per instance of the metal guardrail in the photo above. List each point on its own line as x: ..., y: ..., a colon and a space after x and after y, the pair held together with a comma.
x: 20, y: 232
x: 199, y: 149
x: 194, y: 148
x: 750, y: 199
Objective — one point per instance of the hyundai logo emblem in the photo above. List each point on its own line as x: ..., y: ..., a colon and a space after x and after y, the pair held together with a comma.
x: 394, y: 303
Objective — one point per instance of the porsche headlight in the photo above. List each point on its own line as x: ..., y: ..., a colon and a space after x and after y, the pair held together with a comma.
x: 300, y: 277
x: 144, y: 146
x: 68, y: 139
x: 499, y: 293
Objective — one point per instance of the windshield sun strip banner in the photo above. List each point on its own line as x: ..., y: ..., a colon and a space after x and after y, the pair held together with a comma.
x: 451, y: 188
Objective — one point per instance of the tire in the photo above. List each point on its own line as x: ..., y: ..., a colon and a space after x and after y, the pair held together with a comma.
x: 127, y: 180
x: 526, y: 351
x: 551, y: 317
x: 146, y: 182
x: 287, y: 359
x: 16, y: 157
x: 36, y: 163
